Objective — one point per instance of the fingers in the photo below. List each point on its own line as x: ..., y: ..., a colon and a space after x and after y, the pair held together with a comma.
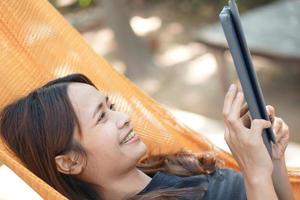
x: 280, y: 129
x: 236, y: 106
x: 232, y: 106
x: 285, y: 132
x: 246, y: 120
x: 226, y: 135
x: 271, y: 112
x: 245, y: 116
x: 234, y: 116
x: 229, y: 100
x: 277, y: 124
x: 258, y: 125
x: 244, y: 110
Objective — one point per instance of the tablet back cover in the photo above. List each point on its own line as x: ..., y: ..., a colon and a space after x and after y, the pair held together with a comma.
x: 231, y: 24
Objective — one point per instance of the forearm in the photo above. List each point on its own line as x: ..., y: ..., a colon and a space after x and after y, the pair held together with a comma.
x: 260, y: 188
x: 281, y: 181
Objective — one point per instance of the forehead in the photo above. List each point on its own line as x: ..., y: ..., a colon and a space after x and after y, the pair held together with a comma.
x: 84, y: 98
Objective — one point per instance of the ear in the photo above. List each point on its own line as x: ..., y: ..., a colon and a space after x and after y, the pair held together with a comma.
x: 70, y: 163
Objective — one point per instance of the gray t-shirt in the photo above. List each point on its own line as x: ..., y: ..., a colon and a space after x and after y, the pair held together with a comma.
x: 223, y: 184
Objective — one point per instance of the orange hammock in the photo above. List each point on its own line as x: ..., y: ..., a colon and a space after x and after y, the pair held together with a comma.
x: 37, y: 44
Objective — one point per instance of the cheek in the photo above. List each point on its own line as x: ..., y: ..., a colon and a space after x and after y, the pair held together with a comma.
x: 102, y: 141
x: 104, y: 151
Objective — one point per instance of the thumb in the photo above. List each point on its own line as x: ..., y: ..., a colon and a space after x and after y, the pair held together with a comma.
x: 258, y: 125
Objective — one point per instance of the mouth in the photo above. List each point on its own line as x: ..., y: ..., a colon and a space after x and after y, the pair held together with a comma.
x: 130, y: 135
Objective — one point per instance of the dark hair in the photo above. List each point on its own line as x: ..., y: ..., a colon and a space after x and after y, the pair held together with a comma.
x: 40, y: 126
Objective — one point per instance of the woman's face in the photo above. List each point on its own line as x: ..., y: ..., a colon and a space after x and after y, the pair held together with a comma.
x: 111, y: 146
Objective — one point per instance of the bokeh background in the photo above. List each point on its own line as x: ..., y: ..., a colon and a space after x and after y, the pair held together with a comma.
x: 156, y: 44
x: 175, y: 51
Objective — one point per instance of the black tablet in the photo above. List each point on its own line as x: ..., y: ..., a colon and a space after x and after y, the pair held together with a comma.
x: 234, y: 34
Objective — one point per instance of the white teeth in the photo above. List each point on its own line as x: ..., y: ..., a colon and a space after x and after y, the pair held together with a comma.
x: 128, y: 137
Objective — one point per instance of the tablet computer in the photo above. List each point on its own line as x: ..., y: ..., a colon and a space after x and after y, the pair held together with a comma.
x: 234, y: 34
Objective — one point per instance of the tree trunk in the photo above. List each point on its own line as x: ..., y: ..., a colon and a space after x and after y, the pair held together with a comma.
x: 131, y: 49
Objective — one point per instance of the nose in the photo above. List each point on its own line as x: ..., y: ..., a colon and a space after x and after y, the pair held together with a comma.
x: 123, y: 121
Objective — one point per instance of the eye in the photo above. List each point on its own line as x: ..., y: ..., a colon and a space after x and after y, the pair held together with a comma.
x: 101, y: 117
x: 112, y: 106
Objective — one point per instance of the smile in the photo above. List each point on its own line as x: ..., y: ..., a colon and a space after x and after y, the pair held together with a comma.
x: 130, y: 136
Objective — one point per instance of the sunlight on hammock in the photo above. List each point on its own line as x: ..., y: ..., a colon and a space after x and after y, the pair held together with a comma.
x: 15, y: 188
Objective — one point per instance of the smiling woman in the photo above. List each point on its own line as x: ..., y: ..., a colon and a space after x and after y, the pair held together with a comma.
x: 106, y: 136
x: 69, y: 134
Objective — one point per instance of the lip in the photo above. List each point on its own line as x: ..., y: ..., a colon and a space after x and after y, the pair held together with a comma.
x: 133, y: 140
x: 130, y: 130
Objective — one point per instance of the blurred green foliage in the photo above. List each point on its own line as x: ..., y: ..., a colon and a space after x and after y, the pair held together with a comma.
x: 73, y: 6
x: 84, y: 3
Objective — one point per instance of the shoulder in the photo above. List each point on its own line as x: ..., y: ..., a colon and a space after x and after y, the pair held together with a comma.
x: 222, y: 184
x: 225, y: 184
x: 163, y: 180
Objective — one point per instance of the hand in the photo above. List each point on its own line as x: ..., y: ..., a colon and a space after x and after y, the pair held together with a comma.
x: 282, y: 134
x: 245, y: 143
x: 280, y: 130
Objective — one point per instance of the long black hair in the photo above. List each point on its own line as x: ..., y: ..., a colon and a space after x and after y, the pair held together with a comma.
x: 40, y: 126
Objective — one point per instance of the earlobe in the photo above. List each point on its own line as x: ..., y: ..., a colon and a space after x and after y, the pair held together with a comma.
x: 66, y: 164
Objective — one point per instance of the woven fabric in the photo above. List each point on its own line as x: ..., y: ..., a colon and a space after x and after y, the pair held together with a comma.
x: 37, y: 44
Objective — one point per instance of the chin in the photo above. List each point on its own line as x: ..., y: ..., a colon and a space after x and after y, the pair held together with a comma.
x: 143, y: 148
x: 139, y: 150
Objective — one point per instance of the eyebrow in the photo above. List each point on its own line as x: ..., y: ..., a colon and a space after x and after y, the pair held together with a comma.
x: 98, y: 108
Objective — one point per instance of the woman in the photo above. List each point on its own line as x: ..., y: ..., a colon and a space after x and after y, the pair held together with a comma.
x: 68, y: 134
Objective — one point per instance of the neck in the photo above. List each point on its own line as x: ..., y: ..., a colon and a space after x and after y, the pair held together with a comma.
x: 125, y: 186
